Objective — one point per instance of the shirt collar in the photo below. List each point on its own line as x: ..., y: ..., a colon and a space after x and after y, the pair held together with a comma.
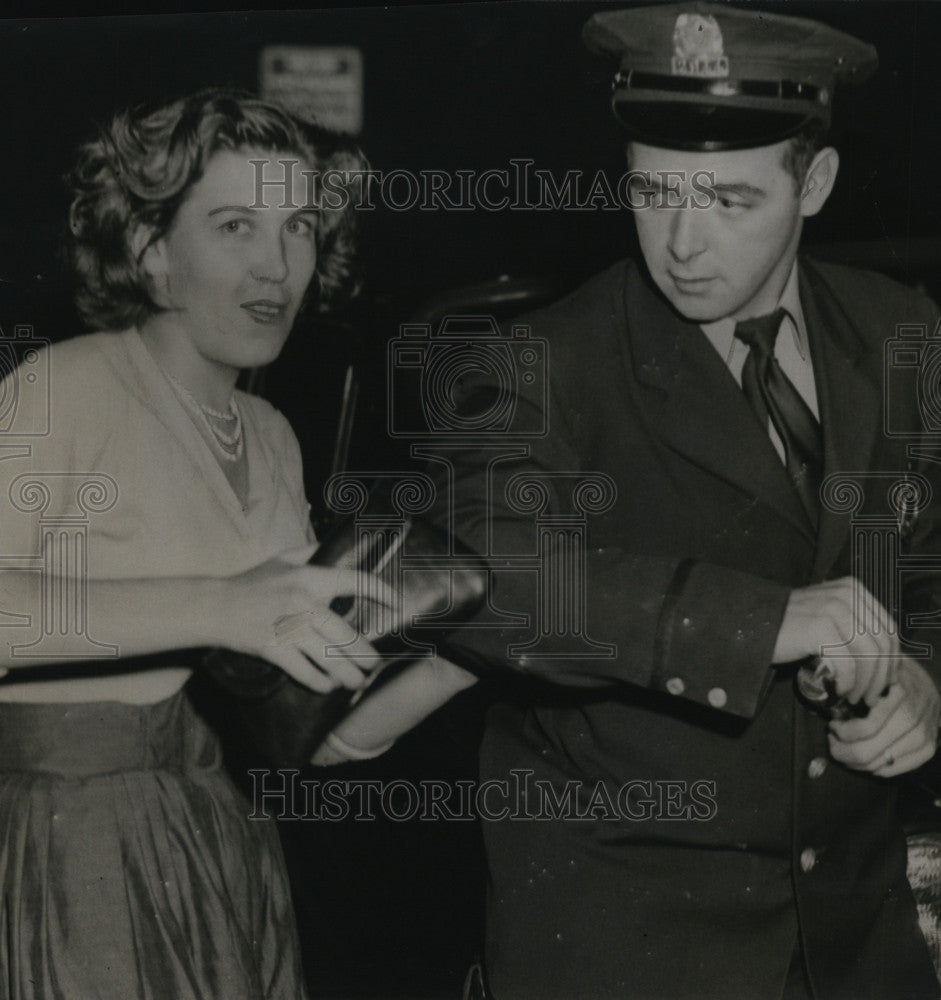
x: 721, y: 332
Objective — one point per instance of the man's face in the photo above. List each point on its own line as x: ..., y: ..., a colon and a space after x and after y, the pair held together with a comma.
x: 722, y: 229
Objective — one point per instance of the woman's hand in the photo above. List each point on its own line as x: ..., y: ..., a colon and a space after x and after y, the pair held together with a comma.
x: 281, y: 612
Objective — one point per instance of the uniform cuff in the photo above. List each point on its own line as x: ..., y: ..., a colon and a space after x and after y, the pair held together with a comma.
x: 716, y: 636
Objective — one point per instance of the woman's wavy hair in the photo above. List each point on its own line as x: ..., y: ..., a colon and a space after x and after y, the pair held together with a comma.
x: 135, y: 175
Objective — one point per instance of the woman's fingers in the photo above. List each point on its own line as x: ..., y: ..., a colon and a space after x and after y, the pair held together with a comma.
x: 331, y: 582
x: 337, y: 637
x: 331, y: 643
x: 297, y: 666
x: 278, y: 607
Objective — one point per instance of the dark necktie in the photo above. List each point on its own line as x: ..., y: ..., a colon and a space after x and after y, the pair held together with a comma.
x: 772, y: 394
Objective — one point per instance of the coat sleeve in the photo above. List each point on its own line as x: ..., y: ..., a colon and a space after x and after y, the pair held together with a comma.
x: 696, y: 631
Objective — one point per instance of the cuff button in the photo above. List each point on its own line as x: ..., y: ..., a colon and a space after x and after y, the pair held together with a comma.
x: 717, y: 698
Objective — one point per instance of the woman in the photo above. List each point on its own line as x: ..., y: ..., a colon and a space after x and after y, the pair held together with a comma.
x: 127, y: 865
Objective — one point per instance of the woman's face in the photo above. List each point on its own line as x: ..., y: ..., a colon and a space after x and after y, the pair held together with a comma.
x: 234, y: 266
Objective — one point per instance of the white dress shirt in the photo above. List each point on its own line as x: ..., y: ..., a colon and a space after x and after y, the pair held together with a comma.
x: 791, y: 350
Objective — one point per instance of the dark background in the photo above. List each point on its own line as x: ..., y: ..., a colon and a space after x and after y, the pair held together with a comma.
x: 447, y: 86
x: 391, y: 909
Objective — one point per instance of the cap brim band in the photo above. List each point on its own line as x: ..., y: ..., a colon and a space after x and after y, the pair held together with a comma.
x: 681, y: 125
x: 721, y: 88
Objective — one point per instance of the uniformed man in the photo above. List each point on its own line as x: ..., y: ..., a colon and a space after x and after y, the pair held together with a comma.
x: 690, y: 824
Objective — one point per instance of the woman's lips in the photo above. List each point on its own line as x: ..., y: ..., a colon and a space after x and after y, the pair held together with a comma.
x: 265, y: 310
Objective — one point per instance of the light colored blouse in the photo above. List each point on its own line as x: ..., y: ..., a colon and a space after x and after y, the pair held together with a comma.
x: 100, y: 444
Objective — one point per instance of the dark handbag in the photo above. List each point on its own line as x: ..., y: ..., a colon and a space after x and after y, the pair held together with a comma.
x: 441, y: 584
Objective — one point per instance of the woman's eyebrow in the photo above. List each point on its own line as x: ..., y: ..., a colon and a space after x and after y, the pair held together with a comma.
x: 232, y: 208
x: 250, y: 210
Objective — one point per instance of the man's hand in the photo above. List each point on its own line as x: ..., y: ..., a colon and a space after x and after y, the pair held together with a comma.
x: 900, y: 732
x: 842, y: 613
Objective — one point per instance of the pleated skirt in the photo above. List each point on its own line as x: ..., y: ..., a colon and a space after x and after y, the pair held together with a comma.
x: 128, y: 865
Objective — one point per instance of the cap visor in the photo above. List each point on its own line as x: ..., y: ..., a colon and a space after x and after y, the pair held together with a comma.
x: 678, y: 125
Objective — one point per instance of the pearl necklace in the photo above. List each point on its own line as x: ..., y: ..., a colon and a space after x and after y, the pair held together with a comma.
x: 231, y: 444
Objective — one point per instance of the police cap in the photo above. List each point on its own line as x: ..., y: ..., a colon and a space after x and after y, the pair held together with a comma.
x: 704, y: 76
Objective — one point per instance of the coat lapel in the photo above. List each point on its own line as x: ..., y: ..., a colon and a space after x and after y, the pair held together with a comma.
x: 698, y: 409
x: 849, y: 398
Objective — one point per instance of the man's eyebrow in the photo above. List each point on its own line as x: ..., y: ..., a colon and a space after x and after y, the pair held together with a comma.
x: 740, y: 188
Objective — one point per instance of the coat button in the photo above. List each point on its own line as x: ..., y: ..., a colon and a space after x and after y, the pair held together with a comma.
x: 717, y: 698
x: 808, y: 859
x: 816, y: 767
x: 675, y: 685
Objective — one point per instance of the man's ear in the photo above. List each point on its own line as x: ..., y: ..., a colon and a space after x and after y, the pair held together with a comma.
x: 821, y: 176
x: 152, y: 258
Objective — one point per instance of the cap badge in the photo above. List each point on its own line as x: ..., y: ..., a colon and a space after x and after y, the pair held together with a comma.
x: 697, y: 47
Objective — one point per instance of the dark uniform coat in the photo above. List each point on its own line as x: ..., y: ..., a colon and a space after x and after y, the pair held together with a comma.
x: 709, y: 826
